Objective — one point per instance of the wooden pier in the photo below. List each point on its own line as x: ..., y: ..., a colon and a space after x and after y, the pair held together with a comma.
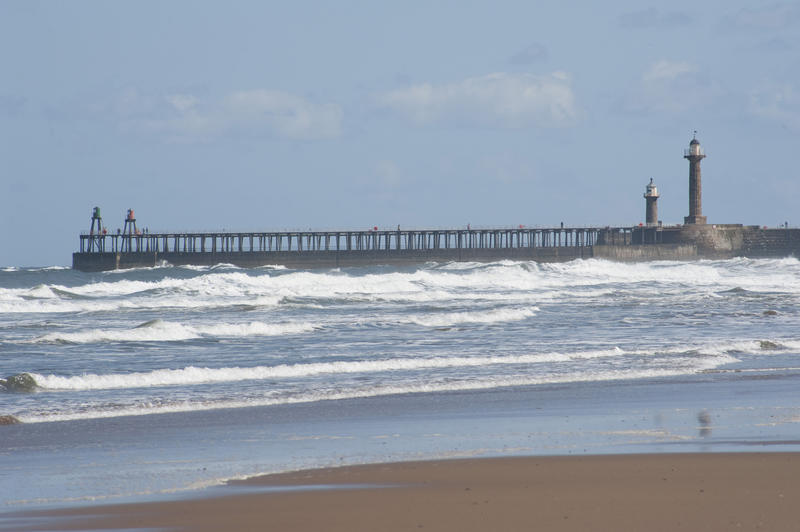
x: 308, y: 249
x: 373, y: 240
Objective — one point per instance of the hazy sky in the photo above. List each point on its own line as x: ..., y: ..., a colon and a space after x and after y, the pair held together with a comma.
x: 271, y: 115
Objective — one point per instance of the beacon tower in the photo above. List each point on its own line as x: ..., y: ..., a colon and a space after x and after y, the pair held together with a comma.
x: 651, y: 196
x: 695, y: 154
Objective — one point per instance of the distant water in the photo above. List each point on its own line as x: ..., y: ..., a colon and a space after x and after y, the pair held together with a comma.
x: 199, y: 339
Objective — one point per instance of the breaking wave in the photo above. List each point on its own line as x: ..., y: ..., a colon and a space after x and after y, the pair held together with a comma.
x: 511, y: 282
x: 165, y: 331
x: 332, y: 394
x: 489, y: 316
x: 375, y: 330
x: 195, y: 375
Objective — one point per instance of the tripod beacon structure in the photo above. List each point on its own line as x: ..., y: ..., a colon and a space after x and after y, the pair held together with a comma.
x: 97, y: 232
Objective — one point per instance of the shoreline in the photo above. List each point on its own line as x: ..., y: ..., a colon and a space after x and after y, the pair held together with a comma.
x: 183, y: 453
x: 690, y: 491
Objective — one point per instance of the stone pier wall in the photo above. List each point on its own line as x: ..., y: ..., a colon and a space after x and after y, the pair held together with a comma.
x: 771, y: 242
x: 637, y: 253
x: 674, y: 243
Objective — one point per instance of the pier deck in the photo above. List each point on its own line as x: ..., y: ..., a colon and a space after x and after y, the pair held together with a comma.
x: 411, y: 239
x: 340, y: 248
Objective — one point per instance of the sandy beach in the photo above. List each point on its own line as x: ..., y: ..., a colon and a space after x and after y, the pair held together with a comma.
x: 727, y: 491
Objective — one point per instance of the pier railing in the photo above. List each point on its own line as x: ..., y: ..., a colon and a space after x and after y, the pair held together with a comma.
x: 375, y: 240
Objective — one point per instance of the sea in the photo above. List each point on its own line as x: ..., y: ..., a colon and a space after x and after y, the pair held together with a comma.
x: 167, y: 382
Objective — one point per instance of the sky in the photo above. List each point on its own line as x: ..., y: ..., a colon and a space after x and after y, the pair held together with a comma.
x: 260, y: 115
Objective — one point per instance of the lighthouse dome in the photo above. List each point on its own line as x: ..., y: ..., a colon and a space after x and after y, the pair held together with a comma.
x: 651, y: 190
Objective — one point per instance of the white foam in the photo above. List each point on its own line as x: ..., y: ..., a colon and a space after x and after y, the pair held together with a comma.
x: 726, y: 347
x: 29, y: 269
x: 489, y: 316
x: 431, y: 386
x: 165, y: 331
x: 160, y: 331
x: 512, y: 282
x: 42, y: 292
x: 194, y: 375
x: 254, y: 328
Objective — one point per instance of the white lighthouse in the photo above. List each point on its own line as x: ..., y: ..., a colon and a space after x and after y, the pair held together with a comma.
x: 651, y: 197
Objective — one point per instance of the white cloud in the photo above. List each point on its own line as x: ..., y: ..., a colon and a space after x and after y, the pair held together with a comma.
x: 182, y: 102
x: 255, y: 113
x: 671, y: 87
x: 667, y: 70
x: 285, y: 114
x: 496, y: 100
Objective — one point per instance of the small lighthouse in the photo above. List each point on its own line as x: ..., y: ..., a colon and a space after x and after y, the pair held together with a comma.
x: 651, y: 197
x: 695, y: 154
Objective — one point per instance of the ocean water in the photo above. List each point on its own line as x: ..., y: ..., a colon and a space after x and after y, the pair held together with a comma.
x: 168, y: 379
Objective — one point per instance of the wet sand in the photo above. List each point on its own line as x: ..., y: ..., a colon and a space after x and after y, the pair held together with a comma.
x: 727, y: 491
